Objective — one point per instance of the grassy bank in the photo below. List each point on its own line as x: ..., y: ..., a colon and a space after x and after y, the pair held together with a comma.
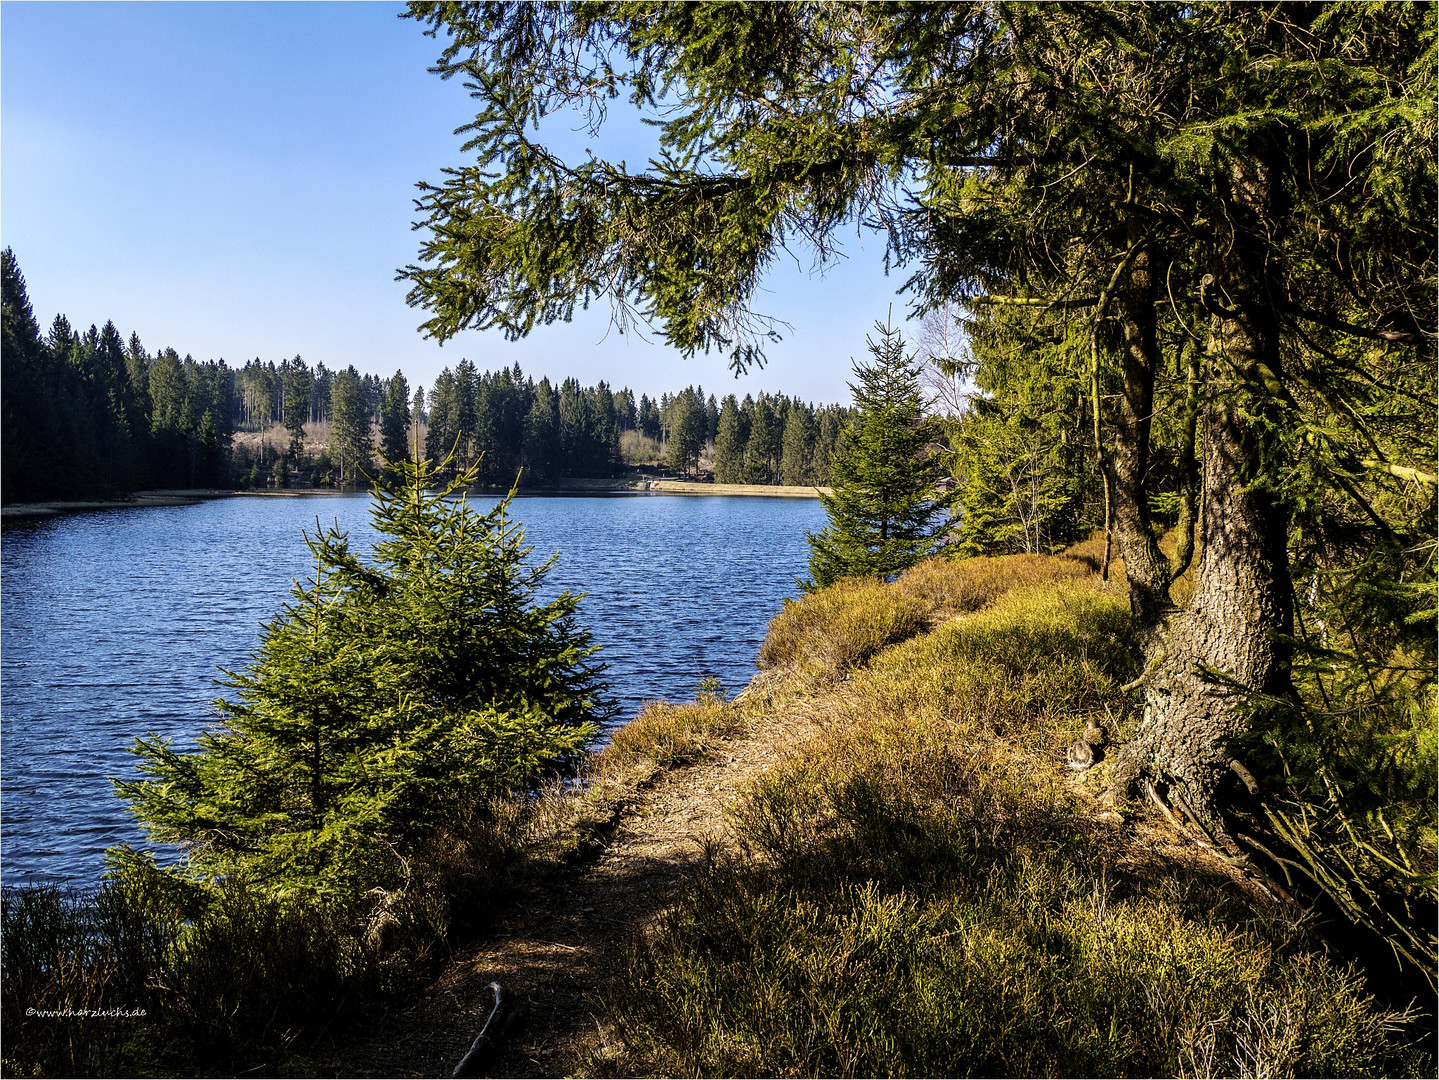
x: 924, y: 889
x: 914, y: 884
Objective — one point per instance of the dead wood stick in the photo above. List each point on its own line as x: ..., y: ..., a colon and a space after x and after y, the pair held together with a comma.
x: 483, y: 1041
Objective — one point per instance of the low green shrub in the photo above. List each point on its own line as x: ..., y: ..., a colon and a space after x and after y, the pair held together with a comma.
x: 110, y: 982
x: 233, y: 978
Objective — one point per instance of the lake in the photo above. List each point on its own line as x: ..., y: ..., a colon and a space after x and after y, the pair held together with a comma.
x: 114, y: 622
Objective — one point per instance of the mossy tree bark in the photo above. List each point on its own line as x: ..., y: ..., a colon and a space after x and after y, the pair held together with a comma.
x: 1227, y: 646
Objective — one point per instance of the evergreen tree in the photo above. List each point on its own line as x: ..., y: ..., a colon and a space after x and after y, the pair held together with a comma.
x: 443, y: 436
x: 883, y: 509
x: 625, y: 411
x: 604, y: 432
x: 395, y: 418
x: 501, y: 403
x: 711, y: 420
x: 26, y: 406
x: 542, y: 435
x: 320, y: 394
x: 760, y: 457
x: 137, y: 369
x: 687, y: 432
x: 831, y: 422
x: 796, y: 463
x: 648, y: 420
x: 117, y: 413
x: 574, y: 429
x: 350, y: 436
x: 1023, y: 452
x: 256, y: 393
x: 295, y: 388
x: 393, y: 695
x: 731, y: 436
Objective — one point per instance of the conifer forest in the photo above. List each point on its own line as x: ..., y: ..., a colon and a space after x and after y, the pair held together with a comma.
x: 96, y: 415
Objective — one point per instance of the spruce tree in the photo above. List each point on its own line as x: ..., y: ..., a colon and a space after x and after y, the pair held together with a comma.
x: 392, y: 695
x: 687, y: 432
x: 395, y: 417
x: 759, y: 455
x: 796, y: 457
x: 882, y: 514
x: 542, y: 435
x: 731, y: 435
x: 295, y: 385
x: 350, y: 437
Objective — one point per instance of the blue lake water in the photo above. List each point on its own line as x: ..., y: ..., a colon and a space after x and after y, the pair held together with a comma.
x: 113, y: 623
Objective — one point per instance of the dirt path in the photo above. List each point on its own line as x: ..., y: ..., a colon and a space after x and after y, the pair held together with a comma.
x: 556, y: 955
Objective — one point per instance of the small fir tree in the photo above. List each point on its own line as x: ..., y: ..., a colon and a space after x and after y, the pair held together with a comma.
x: 392, y: 695
x: 883, y: 513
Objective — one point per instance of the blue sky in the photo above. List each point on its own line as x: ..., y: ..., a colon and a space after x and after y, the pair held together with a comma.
x: 236, y: 180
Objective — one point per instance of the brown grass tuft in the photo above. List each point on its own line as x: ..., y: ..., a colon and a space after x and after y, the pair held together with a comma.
x: 827, y: 634
x: 668, y: 735
x: 950, y: 587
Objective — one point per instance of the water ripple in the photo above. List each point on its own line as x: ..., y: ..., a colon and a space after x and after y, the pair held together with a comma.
x: 114, y: 622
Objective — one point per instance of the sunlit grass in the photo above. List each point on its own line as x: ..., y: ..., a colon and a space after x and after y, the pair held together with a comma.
x: 919, y: 890
x: 824, y: 635
x: 669, y: 735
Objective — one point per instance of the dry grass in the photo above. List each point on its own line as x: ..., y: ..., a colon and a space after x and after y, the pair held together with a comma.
x: 918, y: 890
x: 824, y: 635
x: 949, y: 587
x: 668, y: 735
x: 1090, y: 553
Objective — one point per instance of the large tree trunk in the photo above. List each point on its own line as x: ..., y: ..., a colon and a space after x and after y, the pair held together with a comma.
x: 1206, y: 662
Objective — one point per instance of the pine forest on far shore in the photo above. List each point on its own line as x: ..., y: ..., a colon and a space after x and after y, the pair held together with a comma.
x: 91, y: 415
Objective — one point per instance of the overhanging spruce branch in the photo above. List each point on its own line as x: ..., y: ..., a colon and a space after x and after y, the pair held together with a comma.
x: 1404, y: 472
x: 1331, y: 322
x: 1034, y: 302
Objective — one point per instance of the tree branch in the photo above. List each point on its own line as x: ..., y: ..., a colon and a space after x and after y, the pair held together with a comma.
x: 1401, y: 337
x: 1034, y: 301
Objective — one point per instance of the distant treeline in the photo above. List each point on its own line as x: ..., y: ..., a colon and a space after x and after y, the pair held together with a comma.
x: 504, y: 422
x: 93, y: 415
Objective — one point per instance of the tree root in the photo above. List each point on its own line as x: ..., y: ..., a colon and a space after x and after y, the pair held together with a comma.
x: 1223, y: 846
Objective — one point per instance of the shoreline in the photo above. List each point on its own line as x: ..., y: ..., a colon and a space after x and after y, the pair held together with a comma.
x: 577, y: 486
x: 163, y: 497
x: 773, y: 491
